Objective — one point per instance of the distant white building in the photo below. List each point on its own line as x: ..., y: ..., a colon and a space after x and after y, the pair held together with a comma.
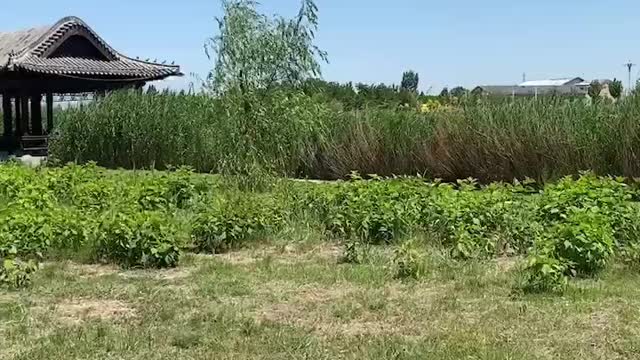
x: 576, y: 81
x: 575, y: 86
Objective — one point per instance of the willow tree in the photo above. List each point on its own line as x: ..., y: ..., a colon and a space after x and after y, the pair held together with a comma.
x: 253, y: 52
x: 259, y: 63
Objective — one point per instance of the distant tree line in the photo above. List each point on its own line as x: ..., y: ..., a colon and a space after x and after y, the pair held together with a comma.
x: 354, y: 96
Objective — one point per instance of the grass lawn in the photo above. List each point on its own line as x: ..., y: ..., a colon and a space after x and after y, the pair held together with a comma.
x: 296, y: 301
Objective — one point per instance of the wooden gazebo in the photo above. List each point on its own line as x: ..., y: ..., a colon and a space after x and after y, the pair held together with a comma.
x: 66, y: 58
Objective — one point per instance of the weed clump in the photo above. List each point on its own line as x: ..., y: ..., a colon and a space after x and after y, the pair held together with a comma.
x: 409, y: 261
x: 15, y: 273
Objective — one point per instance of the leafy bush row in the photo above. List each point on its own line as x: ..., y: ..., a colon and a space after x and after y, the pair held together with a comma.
x: 574, y: 227
x: 571, y: 228
x: 92, y: 188
x: 130, y: 238
x: 230, y: 223
x: 587, y: 222
x: 134, y: 219
x: 472, y: 221
x: 133, y: 239
x: 91, y: 213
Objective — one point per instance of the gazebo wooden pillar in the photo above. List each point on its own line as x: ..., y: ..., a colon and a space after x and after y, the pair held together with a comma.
x: 49, y: 100
x: 24, y: 119
x: 36, y: 114
x: 7, y: 115
x: 18, y: 118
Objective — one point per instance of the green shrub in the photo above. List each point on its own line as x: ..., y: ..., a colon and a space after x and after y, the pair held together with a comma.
x: 181, y: 187
x: 13, y: 178
x: 62, y: 181
x: 16, y: 273
x: 231, y: 223
x: 480, y: 221
x: 310, y: 200
x: 34, y: 233
x: 627, y: 235
x: 375, y: 211
x: 580, y: 245
x: 153, y: 195
x: 144, y: 218
x: 24, y: 233
x: 408, y: 261
x: 34, y: 195
x: 542, y: 273
x: 137, y: 239
x: 630, y: 255
x: 606, y: 196
x: 584, y: 241
x: 160, y: 191
x: 95, y: 195
x: 72, y: 231
x: 469, y: 222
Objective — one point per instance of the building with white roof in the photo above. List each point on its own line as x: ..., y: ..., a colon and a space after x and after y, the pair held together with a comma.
x: 553, y: 82
x: 571, y: 86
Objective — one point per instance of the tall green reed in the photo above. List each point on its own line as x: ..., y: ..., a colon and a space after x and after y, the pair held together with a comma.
x: 291, y: 134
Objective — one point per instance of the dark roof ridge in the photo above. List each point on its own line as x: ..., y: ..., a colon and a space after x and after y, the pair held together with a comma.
x: 49, y: 38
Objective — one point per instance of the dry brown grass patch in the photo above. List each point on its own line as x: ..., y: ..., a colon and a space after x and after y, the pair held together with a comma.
x: 289, y: 254
x: 78, y: 310
x: 158, y: 274
x: 91, y: 270
x: 314, y: 309
x: 299, y: 299
x: 506, y: 264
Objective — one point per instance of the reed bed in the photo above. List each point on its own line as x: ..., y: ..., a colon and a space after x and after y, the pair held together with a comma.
x: 298, y: 136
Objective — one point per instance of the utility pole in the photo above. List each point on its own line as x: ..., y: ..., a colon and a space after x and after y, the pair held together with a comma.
x: 629, y: 66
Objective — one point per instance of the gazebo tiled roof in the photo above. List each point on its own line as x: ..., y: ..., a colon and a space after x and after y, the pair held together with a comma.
x: 33, y: 50
x: 66, y: 58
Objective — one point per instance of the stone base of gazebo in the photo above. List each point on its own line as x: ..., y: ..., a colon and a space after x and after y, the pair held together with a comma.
x: 29, y: 160
x: 25, y: 145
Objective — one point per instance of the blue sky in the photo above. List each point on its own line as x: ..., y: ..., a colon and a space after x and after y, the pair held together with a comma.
x: 460, y: 42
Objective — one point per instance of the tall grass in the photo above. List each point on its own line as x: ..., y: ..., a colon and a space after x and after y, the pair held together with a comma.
x: 131, y: 130
x: 297, y: 136
x: 542, y: 139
